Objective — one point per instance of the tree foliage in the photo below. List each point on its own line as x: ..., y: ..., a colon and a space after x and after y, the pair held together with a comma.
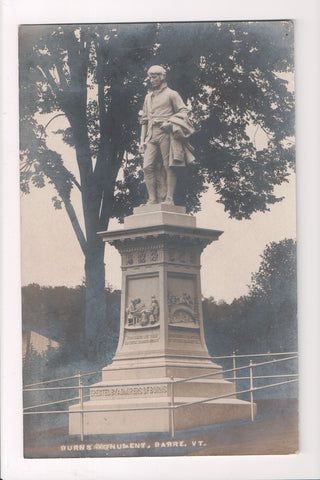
x: 227, y: 72
x: 231, y: 76
x: 231, y: 79
x: 276, y: 277
x: 59, y: 314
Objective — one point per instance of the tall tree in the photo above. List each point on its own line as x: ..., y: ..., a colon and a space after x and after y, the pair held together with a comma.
x: 277, y: 275
x: 60, y: 67
x: 228, y: 73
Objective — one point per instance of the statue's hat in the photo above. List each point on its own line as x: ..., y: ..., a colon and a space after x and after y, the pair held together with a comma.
x: 156, y: 69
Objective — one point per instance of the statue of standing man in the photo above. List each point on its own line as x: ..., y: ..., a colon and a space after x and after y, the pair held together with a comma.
x: 165, y: 129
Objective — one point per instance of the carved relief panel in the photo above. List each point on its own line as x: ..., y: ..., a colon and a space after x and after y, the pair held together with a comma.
x: 140, y: 314
x: 142, y: 304
x: 182, y: 300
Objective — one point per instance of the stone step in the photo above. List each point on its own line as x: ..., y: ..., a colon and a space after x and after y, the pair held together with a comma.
x: 154, y: 420
x: 135, y: 371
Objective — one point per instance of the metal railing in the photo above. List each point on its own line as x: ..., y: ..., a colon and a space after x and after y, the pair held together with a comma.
x: 172, y: 407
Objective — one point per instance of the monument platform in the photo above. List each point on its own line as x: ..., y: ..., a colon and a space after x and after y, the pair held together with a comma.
x: 161, y: 342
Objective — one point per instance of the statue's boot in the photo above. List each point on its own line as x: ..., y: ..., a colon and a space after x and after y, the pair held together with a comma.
x: 171, y: 185
x: 151, y: 187
x: 161, y: 183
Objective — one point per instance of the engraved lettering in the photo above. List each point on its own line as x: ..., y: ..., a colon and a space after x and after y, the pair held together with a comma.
x: 128, y: 392
x: 184, y: 337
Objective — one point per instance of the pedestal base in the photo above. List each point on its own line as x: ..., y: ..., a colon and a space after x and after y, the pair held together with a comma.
x: 142, y: 404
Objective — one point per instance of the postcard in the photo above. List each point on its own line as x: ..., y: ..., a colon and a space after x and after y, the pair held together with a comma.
x: 173, y: 144
x: 158, y: 288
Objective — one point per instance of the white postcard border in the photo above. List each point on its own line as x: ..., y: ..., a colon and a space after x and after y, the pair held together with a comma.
x: 301, y: 466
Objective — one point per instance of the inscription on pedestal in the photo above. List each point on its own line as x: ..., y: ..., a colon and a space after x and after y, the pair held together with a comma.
x: 180, y: 336
x: 111, y: 393
x: 136, y: 337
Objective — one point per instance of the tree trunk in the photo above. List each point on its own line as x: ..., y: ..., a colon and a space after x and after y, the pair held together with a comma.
x: 95, y: 318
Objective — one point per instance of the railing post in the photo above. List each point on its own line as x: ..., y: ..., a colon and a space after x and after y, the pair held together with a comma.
x: 81, y: 406
x: 251, y: 391
x: 234, y: 366
x: 172, y: 407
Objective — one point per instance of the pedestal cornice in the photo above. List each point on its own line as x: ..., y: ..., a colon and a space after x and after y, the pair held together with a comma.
x: 161, y: 232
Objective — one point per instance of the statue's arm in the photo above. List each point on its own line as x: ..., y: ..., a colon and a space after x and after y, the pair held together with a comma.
x: 178, y: 104
x: 142, y: 145
x: 143, y: 120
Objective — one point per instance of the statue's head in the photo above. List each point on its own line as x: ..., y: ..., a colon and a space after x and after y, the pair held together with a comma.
x: 157, y: 75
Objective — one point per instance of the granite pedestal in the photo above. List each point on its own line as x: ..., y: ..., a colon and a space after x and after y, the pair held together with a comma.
x: 161, y: 333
